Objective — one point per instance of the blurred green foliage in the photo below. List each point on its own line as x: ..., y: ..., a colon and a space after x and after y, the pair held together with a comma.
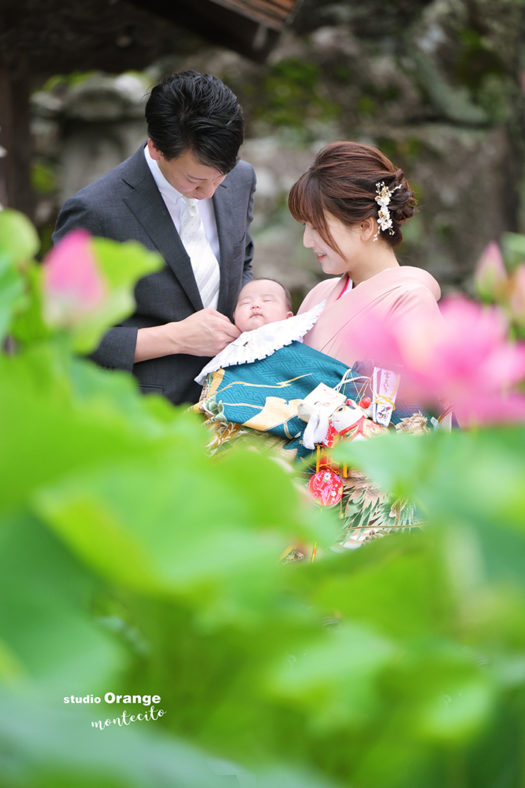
x: 292, y: 94
x: 131, y: 561
x: 70, y: 79
x: 43, y: 178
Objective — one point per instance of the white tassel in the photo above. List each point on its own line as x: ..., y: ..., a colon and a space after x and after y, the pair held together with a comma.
x: 317, y: 428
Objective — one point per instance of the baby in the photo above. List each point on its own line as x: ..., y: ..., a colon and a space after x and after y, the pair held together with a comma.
x: 262, y: 301
x: 258, y: 381
x: 264, y: 316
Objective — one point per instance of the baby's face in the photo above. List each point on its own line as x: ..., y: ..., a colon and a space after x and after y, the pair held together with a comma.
x: 260, y: 302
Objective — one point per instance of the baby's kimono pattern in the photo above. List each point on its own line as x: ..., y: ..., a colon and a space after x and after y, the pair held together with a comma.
x: 264, y: 395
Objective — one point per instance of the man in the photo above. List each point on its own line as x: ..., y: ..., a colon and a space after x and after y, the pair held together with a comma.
x: 186, y: 195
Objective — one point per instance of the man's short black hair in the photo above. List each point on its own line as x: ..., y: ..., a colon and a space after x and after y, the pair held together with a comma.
x: 197, y: 112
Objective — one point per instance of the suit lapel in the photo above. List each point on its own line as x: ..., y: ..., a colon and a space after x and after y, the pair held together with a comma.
x: 145, y: 202
x: 222, y: 204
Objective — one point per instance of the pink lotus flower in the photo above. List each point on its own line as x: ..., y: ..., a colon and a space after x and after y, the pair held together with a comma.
x: 467, y: 363
x: 72, y: 284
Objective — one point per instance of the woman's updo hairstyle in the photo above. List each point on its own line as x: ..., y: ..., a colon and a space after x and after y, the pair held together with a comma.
x: 343, y: 180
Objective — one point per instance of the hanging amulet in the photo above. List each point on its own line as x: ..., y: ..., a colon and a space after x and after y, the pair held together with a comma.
x: 326, y: 487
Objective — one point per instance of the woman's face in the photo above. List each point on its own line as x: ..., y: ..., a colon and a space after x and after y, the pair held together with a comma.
x: 348, y: 239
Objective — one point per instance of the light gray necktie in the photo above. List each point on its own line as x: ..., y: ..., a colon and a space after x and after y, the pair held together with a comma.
x: 203, y: 261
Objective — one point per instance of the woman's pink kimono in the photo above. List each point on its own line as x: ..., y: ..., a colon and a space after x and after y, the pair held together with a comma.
x: 401, y: 293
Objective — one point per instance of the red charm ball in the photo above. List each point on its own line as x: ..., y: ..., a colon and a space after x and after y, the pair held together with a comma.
x: 326, y: 486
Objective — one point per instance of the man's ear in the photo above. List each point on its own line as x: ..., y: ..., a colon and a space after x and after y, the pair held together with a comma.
x: 368, y: 228
x: 153, y: 151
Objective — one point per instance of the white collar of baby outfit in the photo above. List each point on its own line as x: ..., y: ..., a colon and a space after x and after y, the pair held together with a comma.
x: 263, y: 341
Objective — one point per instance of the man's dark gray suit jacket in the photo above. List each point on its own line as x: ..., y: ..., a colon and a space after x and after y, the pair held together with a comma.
x: 125, y: 204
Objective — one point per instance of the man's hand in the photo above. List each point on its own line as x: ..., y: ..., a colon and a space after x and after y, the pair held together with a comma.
x: 204, y: 333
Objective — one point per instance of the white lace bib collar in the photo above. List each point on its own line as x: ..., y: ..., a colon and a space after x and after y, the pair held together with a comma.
x: 263, y: 341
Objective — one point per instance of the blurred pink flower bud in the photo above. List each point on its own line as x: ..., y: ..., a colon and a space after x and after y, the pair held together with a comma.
x: 517, y: 295
x: 490, y: 276
x: 72, y: 285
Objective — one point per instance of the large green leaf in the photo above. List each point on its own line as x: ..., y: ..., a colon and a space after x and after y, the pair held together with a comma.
x: 52, y: 641
x: 18, y: 244
x: 54, y: 745
x: 11, y: 295
x: 45, y: 434
x: 173, y: 520
x: 18, y: 238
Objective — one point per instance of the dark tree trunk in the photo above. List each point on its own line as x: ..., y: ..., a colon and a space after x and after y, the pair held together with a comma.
x: 15, y: 141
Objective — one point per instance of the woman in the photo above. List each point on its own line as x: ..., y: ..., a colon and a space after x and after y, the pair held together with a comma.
x: 353, y: 201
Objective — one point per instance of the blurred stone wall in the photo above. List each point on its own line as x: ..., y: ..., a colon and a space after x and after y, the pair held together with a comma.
x: 436, y: 85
